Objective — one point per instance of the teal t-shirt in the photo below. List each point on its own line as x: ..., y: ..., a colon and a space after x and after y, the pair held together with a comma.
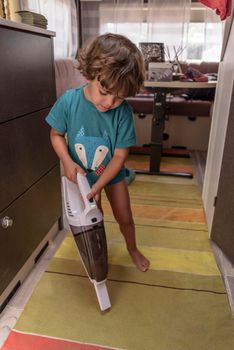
x: 92, y: 136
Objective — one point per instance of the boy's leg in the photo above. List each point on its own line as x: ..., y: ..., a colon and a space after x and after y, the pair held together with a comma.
x: 118, y: 197
x: 99, y: 205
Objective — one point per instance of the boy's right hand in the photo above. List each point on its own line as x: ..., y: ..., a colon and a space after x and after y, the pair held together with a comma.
x: 71, y: 169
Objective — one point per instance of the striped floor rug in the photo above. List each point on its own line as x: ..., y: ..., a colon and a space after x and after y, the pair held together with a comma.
x: 179, y: 304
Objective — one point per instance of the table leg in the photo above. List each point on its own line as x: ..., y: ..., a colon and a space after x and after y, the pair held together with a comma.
x: 157, y: 128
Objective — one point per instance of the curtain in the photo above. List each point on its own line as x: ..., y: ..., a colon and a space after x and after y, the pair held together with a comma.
x: 181, y: 24
x: 168, y: 22
x: 164, y: 21
x: 90, y: 20
x: 62, y: 18
x: 2, y: 9
x: 123, y: 17
x: 212, y: 43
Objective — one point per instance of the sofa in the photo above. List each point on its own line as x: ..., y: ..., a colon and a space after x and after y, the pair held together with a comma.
x: 67, y: 76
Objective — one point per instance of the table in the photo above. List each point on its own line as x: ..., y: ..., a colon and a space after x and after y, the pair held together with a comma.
x: 160, y: 90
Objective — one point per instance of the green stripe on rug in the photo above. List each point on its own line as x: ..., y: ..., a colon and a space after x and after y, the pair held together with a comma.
x: 170, y: 237
x: 164, y: 190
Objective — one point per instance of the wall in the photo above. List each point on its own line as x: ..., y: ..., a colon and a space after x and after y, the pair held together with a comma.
x: 218, y: 128
x: 193, y: 135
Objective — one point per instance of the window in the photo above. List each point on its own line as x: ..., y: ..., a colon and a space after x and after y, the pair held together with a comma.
x: 192, y: 26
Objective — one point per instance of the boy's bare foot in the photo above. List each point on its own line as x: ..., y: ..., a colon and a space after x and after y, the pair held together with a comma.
x: 139, y: 260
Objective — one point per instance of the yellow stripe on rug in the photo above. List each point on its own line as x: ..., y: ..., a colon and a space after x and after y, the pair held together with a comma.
x: 164, y: 259
x: 161, y: 259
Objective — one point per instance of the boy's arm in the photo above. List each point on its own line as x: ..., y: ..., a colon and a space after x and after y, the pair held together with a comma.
x: 112, y: 169
x: 60, y: 146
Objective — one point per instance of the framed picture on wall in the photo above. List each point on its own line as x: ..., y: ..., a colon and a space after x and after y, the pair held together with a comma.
x: 152, y: 52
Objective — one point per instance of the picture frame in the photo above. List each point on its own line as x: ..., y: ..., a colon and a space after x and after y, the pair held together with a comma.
x: 152, y: 52
x: 160, y: 71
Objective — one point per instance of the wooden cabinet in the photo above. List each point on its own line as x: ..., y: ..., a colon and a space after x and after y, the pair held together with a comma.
x: 30, y: 176
x: 27, y: 72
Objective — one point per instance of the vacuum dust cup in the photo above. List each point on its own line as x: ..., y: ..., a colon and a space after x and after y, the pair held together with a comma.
x: 86, y: 223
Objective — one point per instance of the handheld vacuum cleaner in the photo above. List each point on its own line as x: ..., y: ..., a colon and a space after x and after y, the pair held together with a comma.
x: 86, y: 223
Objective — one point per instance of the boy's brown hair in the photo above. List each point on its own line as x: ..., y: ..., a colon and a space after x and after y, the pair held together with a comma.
x: 116, y: 62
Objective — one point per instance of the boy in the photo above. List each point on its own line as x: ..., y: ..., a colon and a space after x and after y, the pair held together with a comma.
x: 99, y: 127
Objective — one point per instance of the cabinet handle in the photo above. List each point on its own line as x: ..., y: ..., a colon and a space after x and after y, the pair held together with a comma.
x: 6, y: 222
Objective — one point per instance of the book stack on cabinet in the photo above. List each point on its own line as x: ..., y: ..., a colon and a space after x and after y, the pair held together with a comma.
x: 33, y: 19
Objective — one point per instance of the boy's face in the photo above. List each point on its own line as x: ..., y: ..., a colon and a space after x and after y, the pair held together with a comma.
x: 100, y: 97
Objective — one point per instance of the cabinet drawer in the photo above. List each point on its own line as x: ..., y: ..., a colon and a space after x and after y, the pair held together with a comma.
x: 27, y: 73
x: 26, y: 154
x: 33, y: 214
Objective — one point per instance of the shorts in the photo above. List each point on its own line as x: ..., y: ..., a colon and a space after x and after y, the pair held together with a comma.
x: 119, y: 177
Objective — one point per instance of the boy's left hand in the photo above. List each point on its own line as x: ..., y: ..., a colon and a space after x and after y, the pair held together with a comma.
x: 94, y: 193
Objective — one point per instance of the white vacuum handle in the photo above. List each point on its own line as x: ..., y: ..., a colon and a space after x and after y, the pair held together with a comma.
x: 85, y: 189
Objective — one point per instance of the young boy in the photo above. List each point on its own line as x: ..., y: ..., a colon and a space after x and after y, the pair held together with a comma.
x: 99, y: 126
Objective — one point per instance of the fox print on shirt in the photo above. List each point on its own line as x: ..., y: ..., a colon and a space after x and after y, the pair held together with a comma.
x: 93, y: 151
